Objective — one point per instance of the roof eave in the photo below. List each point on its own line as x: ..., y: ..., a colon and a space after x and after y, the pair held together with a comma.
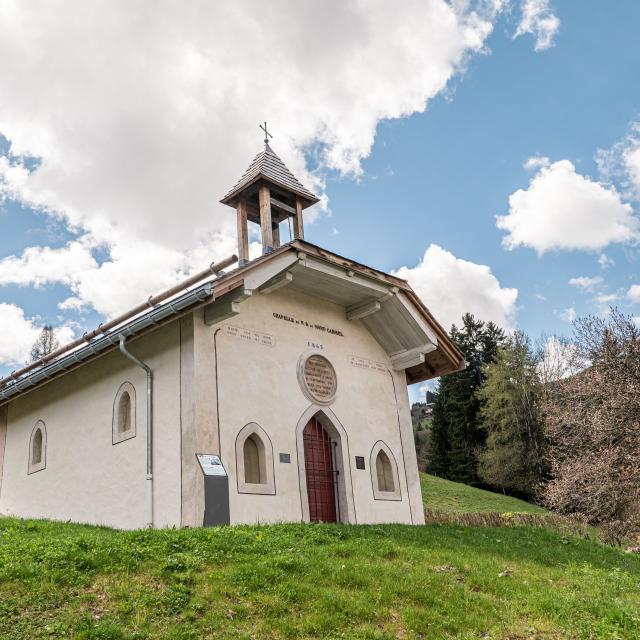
x: 136, y: 327
x: 232, y: 197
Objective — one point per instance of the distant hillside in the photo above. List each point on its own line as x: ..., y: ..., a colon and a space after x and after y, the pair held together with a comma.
x: 443, y: 495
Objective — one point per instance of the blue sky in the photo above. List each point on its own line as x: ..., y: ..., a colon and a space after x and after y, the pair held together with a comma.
x: 111, y: 179
x: 442, y: 176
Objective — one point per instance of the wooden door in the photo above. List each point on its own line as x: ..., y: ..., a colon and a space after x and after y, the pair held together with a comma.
x: 318, y: 460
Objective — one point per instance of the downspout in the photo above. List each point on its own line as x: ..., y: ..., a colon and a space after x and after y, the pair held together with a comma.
x: 215, y: 346
x: 149, y: 373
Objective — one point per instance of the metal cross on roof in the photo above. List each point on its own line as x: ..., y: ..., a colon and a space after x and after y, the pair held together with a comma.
x: 267, y: 135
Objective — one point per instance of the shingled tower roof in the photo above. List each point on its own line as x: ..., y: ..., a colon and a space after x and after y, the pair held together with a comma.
x: 268, y: 166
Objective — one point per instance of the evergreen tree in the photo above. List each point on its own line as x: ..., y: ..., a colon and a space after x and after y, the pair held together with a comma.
x: 45, y: 344
x: 438, y: 462
x: 513, y: 457
x: 456, y: 431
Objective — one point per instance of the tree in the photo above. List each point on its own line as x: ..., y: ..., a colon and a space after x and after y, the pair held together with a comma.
x: 456, y: 431
x: 45, y: 344
x: 593, y: 423
x: 513, y: 456
x: 438, y: 462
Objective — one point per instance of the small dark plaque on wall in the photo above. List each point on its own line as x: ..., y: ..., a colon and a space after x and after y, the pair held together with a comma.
x: 285, y: 457
x: 359, y: 462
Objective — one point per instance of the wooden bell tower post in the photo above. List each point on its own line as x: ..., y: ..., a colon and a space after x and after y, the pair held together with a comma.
x: 267, y: 194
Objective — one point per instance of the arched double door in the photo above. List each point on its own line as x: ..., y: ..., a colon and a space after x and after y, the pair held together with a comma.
x: 320, y: 472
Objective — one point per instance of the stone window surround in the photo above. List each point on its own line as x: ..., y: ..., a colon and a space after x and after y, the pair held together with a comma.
x: 118, y: 436
x: 269, y: 486
x: 384, y: 495
x: 38, y: 466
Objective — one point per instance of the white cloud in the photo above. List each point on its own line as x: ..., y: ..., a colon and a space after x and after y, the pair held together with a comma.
x: 145, y: 124
x: 450, y: 287
x: 38, y: 266
x: 72, y: 303
x: 634, y: 293
x: 539, y: 20
x: 19, y: 333
x: 621, y: 163
x: 605, y: 261
x: 17, y: 336
x: 536, y: 162
x: 562, y: 209
x: 560, y: 359
x: 584, y: 282
x: 568, y: 315
x: 429, y: 385
x: 142, y: 115
x: 64, y: 334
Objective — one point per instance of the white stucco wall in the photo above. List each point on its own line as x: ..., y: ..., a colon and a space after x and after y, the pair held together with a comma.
x: 87, y: 478
x: 258, y: 383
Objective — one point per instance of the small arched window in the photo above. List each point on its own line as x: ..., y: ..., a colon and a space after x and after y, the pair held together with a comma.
x: 254, y: 461
x: 38, y: 448
x: 384, y: 473
x: 124, y: 414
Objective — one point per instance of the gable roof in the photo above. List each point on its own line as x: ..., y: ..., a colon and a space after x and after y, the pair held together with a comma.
x: 386, y: 305
x: 268, y: 166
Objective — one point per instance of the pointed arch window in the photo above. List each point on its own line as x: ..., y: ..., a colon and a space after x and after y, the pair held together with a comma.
x: 253, y: 453
x: 124, y: 414
x: 254, y: 461
x: 38, y: 447
x: 384, y: 473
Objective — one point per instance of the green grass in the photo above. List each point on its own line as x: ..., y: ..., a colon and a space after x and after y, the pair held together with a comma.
x: 315, y: 581
x: 444, y: 495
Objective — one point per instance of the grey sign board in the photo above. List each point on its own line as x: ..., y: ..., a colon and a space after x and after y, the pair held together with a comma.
x: 211, y: 465
x: 216, y: 490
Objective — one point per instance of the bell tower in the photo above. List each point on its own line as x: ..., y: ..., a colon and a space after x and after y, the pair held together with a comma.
x: 267, y: 194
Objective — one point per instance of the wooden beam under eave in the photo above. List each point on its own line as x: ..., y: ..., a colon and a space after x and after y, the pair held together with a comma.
x: 298, y: 226
x: 220, y: 310
x: 411, y: 357
x: 227, y: 306
x: 266, y: 225
x: 243, y: 233
x: 356, y: 312
x: 278, y: 282
x: 399, y: 364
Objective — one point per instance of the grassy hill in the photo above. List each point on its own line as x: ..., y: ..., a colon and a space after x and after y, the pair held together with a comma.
x: 320, y: 581
x: 443, y: 495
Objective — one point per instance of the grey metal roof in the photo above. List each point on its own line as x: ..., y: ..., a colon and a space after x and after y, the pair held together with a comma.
x: 107, y: 341
x: 268, y: 165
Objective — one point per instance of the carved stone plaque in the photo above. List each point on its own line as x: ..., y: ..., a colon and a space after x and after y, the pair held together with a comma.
x: 318, y: 378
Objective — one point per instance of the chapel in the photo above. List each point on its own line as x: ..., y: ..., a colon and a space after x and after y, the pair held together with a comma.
x: 271, y: 389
